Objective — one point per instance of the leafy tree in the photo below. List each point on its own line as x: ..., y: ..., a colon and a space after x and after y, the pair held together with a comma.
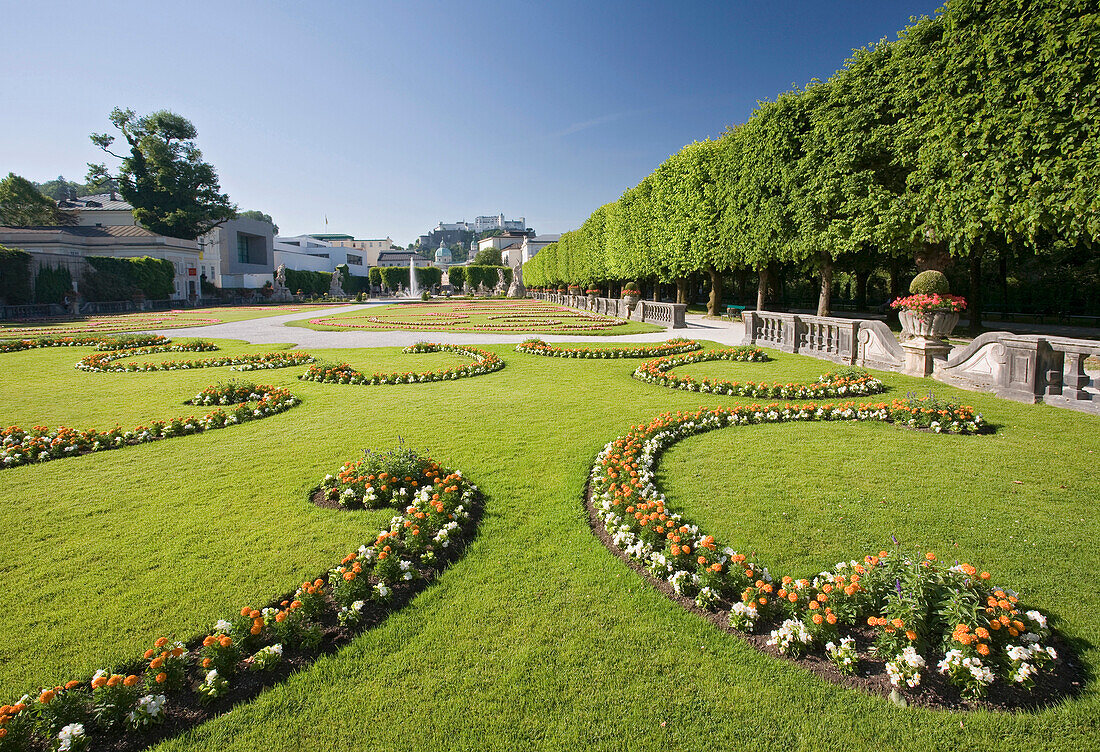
x: 21, y: 205
x: 61, y: 189
x: 488, y: 257
x: 254, y: 214
x: 172, y: 190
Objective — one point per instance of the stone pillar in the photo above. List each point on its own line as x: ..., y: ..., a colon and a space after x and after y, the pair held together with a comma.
x: 921, y: 355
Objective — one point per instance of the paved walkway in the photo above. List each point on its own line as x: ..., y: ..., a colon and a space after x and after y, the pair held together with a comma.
x: 271, y: 330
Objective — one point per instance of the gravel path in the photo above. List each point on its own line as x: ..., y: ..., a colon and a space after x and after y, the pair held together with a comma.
x: 272, y: 329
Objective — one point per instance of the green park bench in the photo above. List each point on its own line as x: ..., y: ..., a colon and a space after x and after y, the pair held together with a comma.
x: 734, y: 310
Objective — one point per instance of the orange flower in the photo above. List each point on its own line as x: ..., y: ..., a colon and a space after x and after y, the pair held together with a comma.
x: 930, y: 556
x: 156, y: 662
x: 898, y: 623
x: 99, y: 682
x: 246, y: 611
x: 72, y: 684
x: 982, y: 632
x: 280, y: 617
x: 984, y: 575
x: 130, y: 681
x: 911, y: 634
x: 114, y: 681
x: 161, y: 642
x: 818, y: 618
x: 831, y: 618
x: 349, y: 576
x: 46, y: 696
x: 225, y: 641
x: 982, y: 649
x: 162, y: 677
x: 255, y: 629
x: 207, y: 663
x: 149, y: 653
x: 792, y: 597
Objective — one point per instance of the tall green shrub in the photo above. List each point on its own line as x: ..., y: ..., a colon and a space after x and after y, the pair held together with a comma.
x: 310, y: 283
x: 457, y: 276
x: 15, y: 276
x: 113, y: 278
x: 51, y: 284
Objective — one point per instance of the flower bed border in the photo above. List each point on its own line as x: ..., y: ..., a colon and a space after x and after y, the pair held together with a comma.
x: 674, y: 346
x: 70, y: 442
x: 634, y: 457
x: 485, y: 362
x: 99, y: 362
x: 829, y: 385
x: 461, y: 501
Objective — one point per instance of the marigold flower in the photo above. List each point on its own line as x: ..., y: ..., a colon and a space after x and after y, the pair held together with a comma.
x: 161, y: 678
x: 149, y: 653
x: 99, y: 682
x: 207, y: 663
x: 72, y: 684
x: 130, y: 680
x: 156, y: 662
x: 46, y: 696
x: 161, y: 642
x: 831, y: 618
x: 225, y: 641
x: 246, y: 611
x: 911, y: 634
x: 982, y: 649
x: 114, y: 681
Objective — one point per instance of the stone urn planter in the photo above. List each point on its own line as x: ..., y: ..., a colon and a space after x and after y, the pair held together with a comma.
x: 631, y: 298
x: 936, y: 325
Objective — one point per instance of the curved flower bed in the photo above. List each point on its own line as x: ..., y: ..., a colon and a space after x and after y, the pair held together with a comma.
x: 846, y: 383
x: 343, y: 373
x: 100, y: 362
x: 671, y: 347
x: 126, y: 322
x: 501, y: 316
x: 922, y: 615
x: 99, y: 342
x: 20, y: 446
x: 176, y: 686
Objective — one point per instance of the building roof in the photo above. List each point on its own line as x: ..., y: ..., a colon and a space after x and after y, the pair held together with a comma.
x: 97, y: 202
x: 330, y: 236
x: 548, y: 238
x: 390, y: 255
x: 97, y: 236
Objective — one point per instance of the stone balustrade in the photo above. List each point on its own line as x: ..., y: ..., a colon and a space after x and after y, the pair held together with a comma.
x: 1025, y: 368
x: 672, y: 315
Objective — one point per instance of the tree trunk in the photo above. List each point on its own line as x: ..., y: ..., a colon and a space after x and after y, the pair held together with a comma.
x: 763, y: 280
x: 682, y: 290
x: 656, y: 292
x: 715, y: 291
x: 825, y: 298
x: 1004, y: 280
x: 861, y: 289
x: 974, y: 304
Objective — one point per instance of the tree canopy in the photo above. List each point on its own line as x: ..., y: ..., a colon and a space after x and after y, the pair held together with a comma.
x: 172, y: 190
x: 22, y: 205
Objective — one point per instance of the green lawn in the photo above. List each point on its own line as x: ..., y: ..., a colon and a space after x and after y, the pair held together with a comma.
x: 491, y: 315
x: 538, y: 637
x: 145, y: 321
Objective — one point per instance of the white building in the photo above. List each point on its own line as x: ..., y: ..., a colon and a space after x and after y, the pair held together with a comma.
x: 481, y: 224
x: 308, y: 253
x: 370, y: 247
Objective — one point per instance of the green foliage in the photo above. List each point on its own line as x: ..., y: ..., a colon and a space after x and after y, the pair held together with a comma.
x: 51, y: 284
x: 488, y: 257
x: 21, y: 205
x: 113, y: 278
x: 172, y: 190
x: 261, y: 216
x: 15, y: 276
x: 309, y: 283
x: 486, y: 275
x: 393, y: 277
x: 930, y: 282
x: 457, y: 276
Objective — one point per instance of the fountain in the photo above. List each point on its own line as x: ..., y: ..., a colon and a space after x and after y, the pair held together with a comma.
x: 414, y: 289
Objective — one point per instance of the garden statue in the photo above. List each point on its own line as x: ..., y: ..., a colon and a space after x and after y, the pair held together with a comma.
x: 516, y: 289
x: 334, y: 288
x: 281, y: 293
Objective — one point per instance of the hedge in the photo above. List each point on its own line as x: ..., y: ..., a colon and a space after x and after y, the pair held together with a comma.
x: 393, y: 277
x: 15, y: 276
x: 313, y: 284
x: 153, y: 277
x: 486, y: 275
x: 51, y: 284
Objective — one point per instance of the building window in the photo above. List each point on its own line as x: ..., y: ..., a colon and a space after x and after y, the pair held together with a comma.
x: 242, y: 249
x: 356, y: 260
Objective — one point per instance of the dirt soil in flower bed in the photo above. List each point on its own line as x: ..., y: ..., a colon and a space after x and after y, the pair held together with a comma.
x: 1065, y: 680
x: 183, y: 711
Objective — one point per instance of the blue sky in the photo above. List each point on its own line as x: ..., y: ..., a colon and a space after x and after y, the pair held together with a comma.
x: 389, y: 117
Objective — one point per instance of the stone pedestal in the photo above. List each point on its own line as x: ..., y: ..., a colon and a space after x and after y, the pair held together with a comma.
x: 921, y: 355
